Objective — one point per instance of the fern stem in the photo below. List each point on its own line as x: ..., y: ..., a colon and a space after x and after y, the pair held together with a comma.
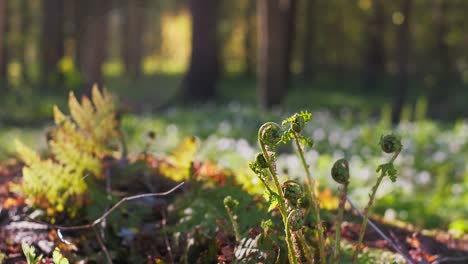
x: 234, y: 224
x: 311, y: 185
x: 281, y: 203
x: 366, y: 216
x: 368, y: 208
x: 309, y: 255
x: 339, y: 220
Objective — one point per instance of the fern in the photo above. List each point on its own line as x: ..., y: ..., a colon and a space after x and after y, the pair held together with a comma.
x: 30, y: 254
x: 58, y: 257
x: 77, y: 144
x: 177, y: 165
x: 31, y: 257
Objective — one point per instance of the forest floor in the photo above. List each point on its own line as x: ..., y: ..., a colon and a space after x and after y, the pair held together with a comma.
x: 430, y: 191
x: 421, y: 246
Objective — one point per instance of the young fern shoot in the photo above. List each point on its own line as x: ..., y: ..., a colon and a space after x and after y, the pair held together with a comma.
x: 269, y: 136
x: 389, y: 144
x: 296, y: 125
x: 231, y: 204
x: 294, y: 200
x: 340, y: 173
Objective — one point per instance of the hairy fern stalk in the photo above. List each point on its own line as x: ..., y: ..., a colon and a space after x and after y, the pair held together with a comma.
x: 296, y: 202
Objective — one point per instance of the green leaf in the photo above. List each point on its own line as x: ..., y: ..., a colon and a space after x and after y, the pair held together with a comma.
x: 388, y: 169
x: 273, y: 202
x: 392, y: 172
x: 267, y: 225
x: 287, y: 136
x: 58, y: 258
x: 29, y: 253
x: 306, y: 115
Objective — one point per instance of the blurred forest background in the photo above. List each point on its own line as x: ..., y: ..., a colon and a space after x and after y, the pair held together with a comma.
x: 218, y: 70
x: 406, y: 55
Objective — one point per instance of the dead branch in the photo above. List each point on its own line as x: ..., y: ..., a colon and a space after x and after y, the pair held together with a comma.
x: 107, y: 213
x: 103, y: 247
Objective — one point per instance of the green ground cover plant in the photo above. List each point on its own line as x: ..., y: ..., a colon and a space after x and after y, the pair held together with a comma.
x: 77, y: 145
x: 294, y: 224
x: 32, y: 258
x: 295, y: 201
x: 433, y: 164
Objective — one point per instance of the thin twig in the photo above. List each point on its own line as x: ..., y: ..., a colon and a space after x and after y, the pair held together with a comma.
x: 166, y: 239
x: 377, y: 229
x: 103, y: 247
x: 108, y: 212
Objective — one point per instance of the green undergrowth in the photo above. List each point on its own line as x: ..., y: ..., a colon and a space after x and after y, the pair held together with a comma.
x: 200, y: 214
x: 28, y: 104
x: 77, y: 145
x: 149, y: 152
x: 434, y: 162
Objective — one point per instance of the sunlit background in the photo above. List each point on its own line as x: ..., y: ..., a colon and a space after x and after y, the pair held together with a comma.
x: 215, y: 69
x: 360, y: 54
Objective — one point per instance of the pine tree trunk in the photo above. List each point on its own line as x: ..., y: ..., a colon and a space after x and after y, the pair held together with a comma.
x: 275, y: 20
x: 3, y: 48
x: 402, y: 54
x: 340, y: 40
x: 25, y: 39
x: 442, y: 49
x: 309, y: 34
x: 374, y: 68
x: 439, y: 97
x: 290, y: 36
x: 79, y: 12
x: 93, y: 40
x: 248, y: 41
x: 52, y: 48
x: 132, y: 36
x: 203, y: 72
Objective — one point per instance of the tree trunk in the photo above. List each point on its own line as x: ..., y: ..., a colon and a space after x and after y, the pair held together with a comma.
x: 25, y: 39
x: 374, y: 68
x: 402, y: 54
x: 275, y: 45
x: 92, y: 40
x: 439, y: 94
x: 3, y: 50
x: 52, y: 48
x: 202, y: 75
x: 80, y: 15
x: 339, y: 40
x: 309, y: 34
x: 290, y: 35
x: 442, y: 49
x: 132, y: 36
x: 248, y: 41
